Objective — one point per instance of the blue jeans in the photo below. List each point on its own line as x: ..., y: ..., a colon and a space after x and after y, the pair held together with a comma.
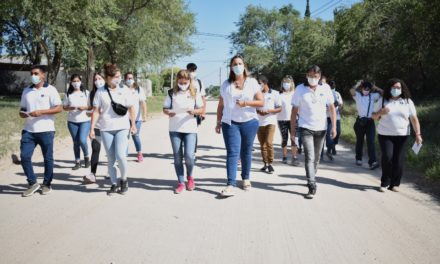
x: 329, y: 142
x: 369, y: 132
x: 184, y: 145
x: 79, y: 133
x: 115, y: 144
x: 239, y: 139
x: 28, y: 143
x: 313, y: 142
x: 136, y: 139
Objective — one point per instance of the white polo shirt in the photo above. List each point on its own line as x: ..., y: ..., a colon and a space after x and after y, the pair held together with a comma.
x: 396, y: 122
x: 362, y: 102
x: 312, y: 106
x: 197, y: 87
x: 271, y: 101
x: 181, y: 102
x: 43, y: 98
x: 337, y: 96
x: 108, y: 119
x: 286, y: 106
x: 138, y: 97
x: 77, y: 99
x: 230, y: 95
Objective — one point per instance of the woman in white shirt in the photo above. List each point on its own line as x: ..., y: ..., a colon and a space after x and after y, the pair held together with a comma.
x: 237, y: 117
x: 394, y: 112
x: 181, y: 105
x: 140, y: 107
x: 113, y: 106
x: 76, y: 101
x: 286, y: 95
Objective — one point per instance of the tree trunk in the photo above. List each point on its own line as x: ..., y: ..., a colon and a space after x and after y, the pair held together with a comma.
x: 54, y: 65
x: 90, y: 68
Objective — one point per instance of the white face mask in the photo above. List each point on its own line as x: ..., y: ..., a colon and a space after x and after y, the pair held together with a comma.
x: 130, y: 82
x: 99, y: 83
x: 238, y: 69
x: 396, y: 92
x: 286, y: 86
x: 312, y: 81
x: 35, y: 79
x: 183, y: 87
x: 116, y: 81
x: 76, y: 85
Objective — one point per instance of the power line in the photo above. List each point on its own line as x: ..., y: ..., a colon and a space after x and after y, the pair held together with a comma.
x: 206, y: 34
x: 323, y: 6
x: 322, y: 11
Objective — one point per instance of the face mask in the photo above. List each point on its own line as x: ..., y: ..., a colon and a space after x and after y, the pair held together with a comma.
x: 313, y: 81
x: 396, y: 92
x: 130, y: 82
x: 286, y: 86
x: 193, y: 75
x: 35, y: 79
x: 238, y: 69
x: 183, y: 87
x: 76, y: 85
x: 365, y: 92
x: 116, y: 81
x: 99, y: 83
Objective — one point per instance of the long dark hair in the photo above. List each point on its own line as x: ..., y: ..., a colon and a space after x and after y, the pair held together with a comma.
x: 232, y: 76
x: 387, y: 89
x: 71, y: 89
x: 94, y: 89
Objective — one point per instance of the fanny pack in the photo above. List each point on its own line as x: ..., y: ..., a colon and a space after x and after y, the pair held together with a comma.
x: 117, y: 108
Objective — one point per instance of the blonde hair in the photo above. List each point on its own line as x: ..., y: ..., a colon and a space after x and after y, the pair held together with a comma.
x: 288, y: 79
x: 184, y: 74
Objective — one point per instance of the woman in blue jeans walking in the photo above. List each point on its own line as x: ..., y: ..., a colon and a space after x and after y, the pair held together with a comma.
x: 181, y: 104
x: 76, y: 101
x: 237, y: 117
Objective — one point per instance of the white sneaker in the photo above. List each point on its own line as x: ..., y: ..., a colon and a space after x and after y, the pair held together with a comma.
x: 359, y: 162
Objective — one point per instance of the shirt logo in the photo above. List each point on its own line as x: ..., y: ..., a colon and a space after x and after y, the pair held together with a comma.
x: 42, y: 95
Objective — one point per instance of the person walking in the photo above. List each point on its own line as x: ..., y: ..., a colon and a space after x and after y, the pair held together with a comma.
x: 395, y: 111
x: 76, y: 102
x: 267, y: 116
x: 237, y: 118
x: 311, y: 101
x: 38, y: 105
x: 181, y: 105
x: 329, y: 141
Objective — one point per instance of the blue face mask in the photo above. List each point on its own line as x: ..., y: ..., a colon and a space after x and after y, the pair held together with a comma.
x: 396, y: 92
x: 238, y: 69
x: 130, y: 82
x: 35, y: 79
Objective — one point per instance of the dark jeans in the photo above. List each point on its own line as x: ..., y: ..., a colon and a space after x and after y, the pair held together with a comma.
x: 393, y: 159
x: 329, y: 142
x: 96, y: 148
x: 239, y: 139
x: 313, y: 142
x: 28, y: 143
x: 368, y: 131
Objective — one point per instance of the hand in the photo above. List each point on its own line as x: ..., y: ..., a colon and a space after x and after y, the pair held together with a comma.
x: 144, y: 118
x: 191, y: 111
x: 36, y: 113
x: 241, y: 103
x: 133, y: 130
x: 89, y: 114
x: 218, y: 128
x: 170, y: 113
x: 384, y: 111
x: 92, y: 133
x: 23, y: 115
x: 333, y: 133
x: 419, y: 139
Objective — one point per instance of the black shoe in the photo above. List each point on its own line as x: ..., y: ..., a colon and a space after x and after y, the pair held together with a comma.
x: 312, y: 191
x: 77, y: 166
x: 374, y: 165
x: 113, y: 190
x: 334, y: 151
x: 86, y: 162
x: 284, y: 160
x: 270, y: 169
x: 124, y: 187
x: 329, y: 155
x: 299, y: 150
x: 264, y: 168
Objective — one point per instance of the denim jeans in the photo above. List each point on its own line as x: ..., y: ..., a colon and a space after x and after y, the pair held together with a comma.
x: 329, y: 142
x: 115, y: 144
x: 313, y: 141
x: 136, y: 139
x: 183, y: 145
x: 368, y: 131
x: 79, y: 133
x: 96, y: 149
x: 28, y: 143
x: 393, y: 159
x: 239, y: 139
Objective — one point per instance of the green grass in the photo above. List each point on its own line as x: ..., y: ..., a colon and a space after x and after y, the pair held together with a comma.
x: 155, y: 104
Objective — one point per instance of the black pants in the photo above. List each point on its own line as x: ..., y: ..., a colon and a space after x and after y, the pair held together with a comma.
x: 393, y: 159
x: 96, y: 148
x: 365, y: 131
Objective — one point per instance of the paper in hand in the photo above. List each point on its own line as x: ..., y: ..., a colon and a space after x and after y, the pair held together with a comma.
x: 416, y: 148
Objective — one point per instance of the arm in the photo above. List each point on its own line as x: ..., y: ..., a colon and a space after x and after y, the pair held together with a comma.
x: 52, y: 111
x: 275, y: 110
x: 204, y: 106
x: 144, y: 111
x: 293, y: 117
x: 132, y: 116
x: 95, y: 117
x: 332, y: 112
x: 416, y: 126
x: 219, y: 115
x: 257, y: 102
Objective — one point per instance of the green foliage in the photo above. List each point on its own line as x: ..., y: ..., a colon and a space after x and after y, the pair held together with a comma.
x: 166, y: 76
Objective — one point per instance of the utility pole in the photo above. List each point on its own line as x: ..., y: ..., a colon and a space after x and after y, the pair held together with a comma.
x: 172, y: 72
x: 220, y: 76
x: 307, y: 13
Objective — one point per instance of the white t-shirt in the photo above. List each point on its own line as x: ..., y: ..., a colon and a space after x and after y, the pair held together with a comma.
x: 138, y: 97
x: 108, y: 119
x: 77, y: 99
x: 337, y: 96
x: 197, y: 86
x: 362, y: 102
x: 271, y: 101
x: 286, y: 106
x: 312, y: 106
x: 396, y: 122
x: 180, y: 103
x: 43, y: 98
x: 230, y: 95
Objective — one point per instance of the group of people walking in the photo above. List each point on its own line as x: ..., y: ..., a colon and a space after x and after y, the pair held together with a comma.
x: 248, y: 108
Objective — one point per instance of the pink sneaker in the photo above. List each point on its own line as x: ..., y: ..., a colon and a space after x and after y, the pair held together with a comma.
x: 191, y: 184
x: 180, y: 188
x: 140, y: 157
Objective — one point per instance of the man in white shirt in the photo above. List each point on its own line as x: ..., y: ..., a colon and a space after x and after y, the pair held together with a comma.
x: 39, y: 103
x: 311, y: 101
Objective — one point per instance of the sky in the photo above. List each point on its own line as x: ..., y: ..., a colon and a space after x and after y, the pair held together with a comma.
x: 220, y: 17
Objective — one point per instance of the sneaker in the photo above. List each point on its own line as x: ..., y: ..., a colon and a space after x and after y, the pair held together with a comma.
x: 270, y: 169
x: 374, y: 165
x: 382, y: 189
x: 107, y: 177
x: 359, y: 162
x: 329, y: 155
x: 90, y: 178
x: 86, y: 162
x: 312, y: 191
x: 228, y: 191
x: 191, y: 184
x: 284, y: 160
x: 180, y: 188
x: 140, y: 157
x: 299, y: 150
x: 124, y: 187
x: 31, y: 190
x: 394, y: 189
x: 45, y: 189
x: 113, y: 190
x: 334, y: 151
x: 77, y: 166
x: 247, y: 185
x: 295, y: 162
x: 264, y: 169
